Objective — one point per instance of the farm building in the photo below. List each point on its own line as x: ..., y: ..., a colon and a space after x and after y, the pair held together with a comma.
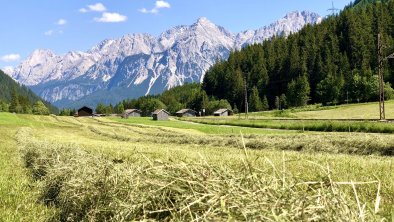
x: 131, y: 113
x: 186, y: 113
x: 223, y: 112
x: 85, y: 111
x: 160, y: 114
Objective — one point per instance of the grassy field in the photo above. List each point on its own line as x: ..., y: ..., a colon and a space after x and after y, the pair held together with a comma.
x: 351, y: 111
x: 299, y: 124
x: 98, y: 169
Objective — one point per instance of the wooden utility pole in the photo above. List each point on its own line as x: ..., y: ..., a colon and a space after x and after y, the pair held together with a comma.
x: 246, y: 99
x: 381, y: 81
x: 381, y: 60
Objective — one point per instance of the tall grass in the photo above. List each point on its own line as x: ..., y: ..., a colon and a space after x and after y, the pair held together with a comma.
x: 86, y: 186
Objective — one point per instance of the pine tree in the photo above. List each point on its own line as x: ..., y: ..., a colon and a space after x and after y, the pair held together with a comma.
x: 298, y: 92
x: 255, y: 103
x: 283, y: 101
x: 329, y: 89
x: 15, y: 107
x: 100, y: 108
x: 265, y: 105
x: 40, y: 109
x: 277, y: 102
x: 120, y: 109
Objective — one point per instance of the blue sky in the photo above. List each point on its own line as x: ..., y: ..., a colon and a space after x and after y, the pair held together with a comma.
x: 67, y: 25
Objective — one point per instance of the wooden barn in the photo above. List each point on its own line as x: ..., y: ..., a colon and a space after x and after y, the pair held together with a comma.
x: 223, y: 112
x: 186, y: 113
x: 160, y: 114
x: 85, y: 111
x: 131, y: 113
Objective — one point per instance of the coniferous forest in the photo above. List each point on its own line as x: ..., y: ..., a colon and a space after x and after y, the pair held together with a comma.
x: 17, y: 98
x: 330, y: 63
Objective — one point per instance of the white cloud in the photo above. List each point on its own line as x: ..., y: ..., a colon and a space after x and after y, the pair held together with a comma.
x: 111, y: 17
x: 10, y: 58
x: 53, y: 32
x: 61, y: 22
x: 8, y: 70
x: 49, y: 33
x: 146, y: 11
x: 98, y: 7
x: 159, y: 5
x: 162, y: 4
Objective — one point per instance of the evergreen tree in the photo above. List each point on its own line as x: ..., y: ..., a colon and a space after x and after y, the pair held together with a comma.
x: 199, y: 100
x: 108, y: 110
x: 329, y: 89
x: 65, y: 112
x: 298, y: 92
x: 15, y: 107
x: 119, y: 109
x: 4, y: 107
x: 235, y: 109
x: 100, y: 108
x: 40, y: 109
x: 265, y: 105
x: 255, y: 103
x: 277, y: 102
x: 283, y: 101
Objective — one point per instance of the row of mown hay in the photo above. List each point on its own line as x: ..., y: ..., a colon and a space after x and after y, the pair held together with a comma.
x: 89, y: 187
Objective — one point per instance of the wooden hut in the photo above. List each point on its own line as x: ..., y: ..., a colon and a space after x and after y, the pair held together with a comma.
x: 186, y: 113
x: 131, y: 113
x: 85, y: 111
x: 223, y: 112
x: 160, y: 114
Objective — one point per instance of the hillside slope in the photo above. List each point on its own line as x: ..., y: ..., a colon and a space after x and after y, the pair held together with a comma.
x: 7, y: 87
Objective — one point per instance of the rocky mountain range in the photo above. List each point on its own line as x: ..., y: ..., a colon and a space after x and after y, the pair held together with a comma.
x: 140, y: 64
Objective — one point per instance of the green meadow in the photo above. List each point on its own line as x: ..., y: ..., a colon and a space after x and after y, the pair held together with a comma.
x: 110, y: 169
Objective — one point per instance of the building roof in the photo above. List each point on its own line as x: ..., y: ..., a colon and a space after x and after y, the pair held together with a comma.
x: 84, y: 108
x: 159, y: 111
x: 220, y: 111
x: 182, y: 111
x: 132, y: 111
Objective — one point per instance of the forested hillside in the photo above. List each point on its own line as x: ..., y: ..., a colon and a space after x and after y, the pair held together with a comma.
x: 333, y: 62
x: 19, y: 99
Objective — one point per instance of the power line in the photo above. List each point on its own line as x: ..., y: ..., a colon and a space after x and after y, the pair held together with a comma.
x: 333, y: 9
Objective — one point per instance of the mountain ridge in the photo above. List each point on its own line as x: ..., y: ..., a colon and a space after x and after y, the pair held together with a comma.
x: 178, y: 55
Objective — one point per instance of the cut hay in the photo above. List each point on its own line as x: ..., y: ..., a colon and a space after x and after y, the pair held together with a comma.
x: 90, y: 187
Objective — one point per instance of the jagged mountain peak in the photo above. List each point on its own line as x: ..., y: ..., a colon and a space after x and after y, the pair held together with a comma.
x: 137, y: 64
x: 307, y: 16
x: 204, y: 22
x: 39, y: 53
